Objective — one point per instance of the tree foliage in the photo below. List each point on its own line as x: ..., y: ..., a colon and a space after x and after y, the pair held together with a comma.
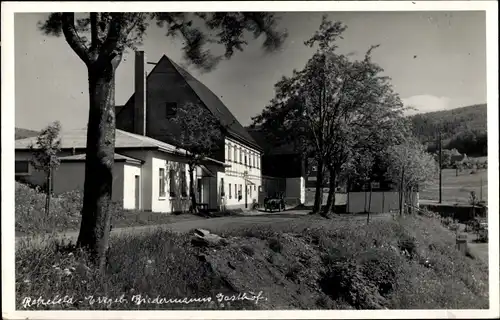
x: 200, y: 134
x: 45, y: 155
x: 335, y: 106
x: 100, y: 36
x: 410, y: 160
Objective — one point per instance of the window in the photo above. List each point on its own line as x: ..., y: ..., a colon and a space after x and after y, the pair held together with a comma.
x: 222, y: 193
x: 245, y: 158
x: 241, y: 156
x: 183, y: 184
x: 171, y: 177
x: 170, y: 109
x: 161, y: 177
x: 250, y: 187
x: 230, y: 192
x: 254, y: 187
x: 229, y: 153
x: 22, y: 167
x: 235, y: 191
x: 250, y: 160
x: 235, y: 154
x: 240, y: 195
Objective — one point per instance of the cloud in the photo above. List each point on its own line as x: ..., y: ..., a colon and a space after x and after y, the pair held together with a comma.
x: 427, y: 103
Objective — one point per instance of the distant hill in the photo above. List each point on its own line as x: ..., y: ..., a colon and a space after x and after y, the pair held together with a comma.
x: 450, y: 122
x: 464, y: 129
x: 24, y: 133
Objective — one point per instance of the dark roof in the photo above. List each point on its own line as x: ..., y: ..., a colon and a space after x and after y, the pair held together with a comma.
x: 216, y: 107
x: 211, y: 102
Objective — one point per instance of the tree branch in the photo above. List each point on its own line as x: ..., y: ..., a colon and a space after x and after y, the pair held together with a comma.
x: 72, y: 37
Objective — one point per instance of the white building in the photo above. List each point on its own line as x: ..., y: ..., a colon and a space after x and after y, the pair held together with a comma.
x: 150, y: 171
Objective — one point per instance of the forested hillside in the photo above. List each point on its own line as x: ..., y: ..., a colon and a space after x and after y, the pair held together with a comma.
x: 464, y: 129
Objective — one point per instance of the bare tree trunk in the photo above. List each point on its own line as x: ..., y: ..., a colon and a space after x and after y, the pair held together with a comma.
x: 95, y: 226
x: 318, y: 195
x: 330, y: 203
x: 49, y: 191
x: 193, y: 208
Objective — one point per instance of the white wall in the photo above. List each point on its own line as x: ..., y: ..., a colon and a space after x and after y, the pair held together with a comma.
x: 71, y: 176
x: 129, y: 172
x: 167, y: 204
x: 296, y: 189
x: 234, y: 175
x: 381, y: 201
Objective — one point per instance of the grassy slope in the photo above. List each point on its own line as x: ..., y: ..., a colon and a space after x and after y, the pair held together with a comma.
x: 311, y: 263
x: 457, y: 189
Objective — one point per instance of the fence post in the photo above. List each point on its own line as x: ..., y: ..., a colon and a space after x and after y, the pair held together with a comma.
x: 461, y: 242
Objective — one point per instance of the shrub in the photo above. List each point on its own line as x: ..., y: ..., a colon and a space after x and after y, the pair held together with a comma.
x: 275, y: 244
x: 248, y: 250
x: 407, y: 244
x: 381, y: 267
x: 345, y: 280
x: 294, y: 271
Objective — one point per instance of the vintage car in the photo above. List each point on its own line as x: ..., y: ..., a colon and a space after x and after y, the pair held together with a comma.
x: 277, y: 202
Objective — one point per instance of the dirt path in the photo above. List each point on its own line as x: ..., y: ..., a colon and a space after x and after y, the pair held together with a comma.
x: 216, y: 225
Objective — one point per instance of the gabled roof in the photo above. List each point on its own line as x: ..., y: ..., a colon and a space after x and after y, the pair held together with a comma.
x: 216, y: 107
x: 118, y: 158
x: 211, y: 102
x: 77, y: 139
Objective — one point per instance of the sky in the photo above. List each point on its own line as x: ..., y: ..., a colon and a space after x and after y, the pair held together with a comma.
x: 437, y: 61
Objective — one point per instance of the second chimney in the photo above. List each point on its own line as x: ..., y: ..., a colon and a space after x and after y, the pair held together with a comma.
x: 140, y: 93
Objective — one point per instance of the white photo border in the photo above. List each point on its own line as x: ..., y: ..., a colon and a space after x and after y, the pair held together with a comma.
x: 7, y: 158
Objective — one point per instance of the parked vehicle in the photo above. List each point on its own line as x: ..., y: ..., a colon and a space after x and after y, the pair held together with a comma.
x: 274, y: 203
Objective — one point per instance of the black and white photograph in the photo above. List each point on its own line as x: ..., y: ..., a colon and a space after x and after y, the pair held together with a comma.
x: 304, y: 158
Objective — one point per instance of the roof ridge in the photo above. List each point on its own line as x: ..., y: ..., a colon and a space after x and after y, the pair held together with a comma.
x: 180, y: 70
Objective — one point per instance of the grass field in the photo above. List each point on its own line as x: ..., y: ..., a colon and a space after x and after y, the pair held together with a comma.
x: 457, y: 189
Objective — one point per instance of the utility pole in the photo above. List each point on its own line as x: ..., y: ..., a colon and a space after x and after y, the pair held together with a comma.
x: 440, y: 168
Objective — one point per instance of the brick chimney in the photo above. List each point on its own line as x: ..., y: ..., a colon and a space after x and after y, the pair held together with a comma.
x: 140, y: 93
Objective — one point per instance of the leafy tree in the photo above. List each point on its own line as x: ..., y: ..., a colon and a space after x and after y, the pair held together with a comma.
x: 410, y: 167
x: 45, y: 150
x: 100, y: 41
x: 332, y: 104
x: 200, y: 134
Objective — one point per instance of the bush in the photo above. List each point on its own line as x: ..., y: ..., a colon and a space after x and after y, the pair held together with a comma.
x: 294, y: 271
x: 407, y: 244
x: 275, y: 244
x: 381, y: 267
x: 248, y: 250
